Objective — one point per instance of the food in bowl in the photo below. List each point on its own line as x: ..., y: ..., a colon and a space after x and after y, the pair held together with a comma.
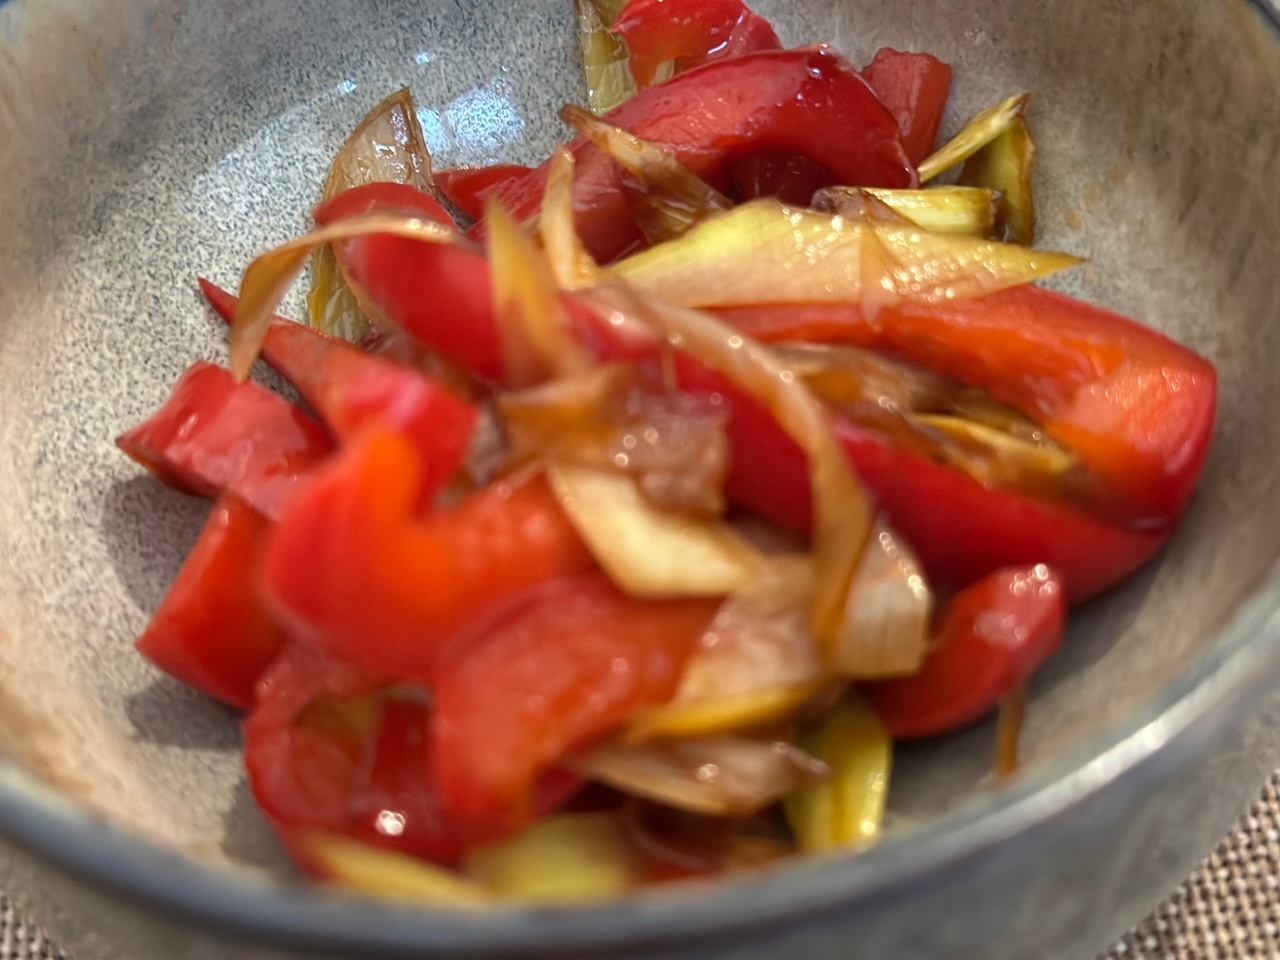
x: 617, y: 535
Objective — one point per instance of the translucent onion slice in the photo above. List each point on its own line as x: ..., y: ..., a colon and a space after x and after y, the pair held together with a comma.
x: 605, y: 59
x: 719, y: 776
x: 757, y: 664
x: 842, y: 514
x: 999, y: 459
x: 667, y: 197
x: 571, y: 264
x: 673, y: 444
x: 966, y: 210
x: 394, y: 876
x: 649, y: 552
x: 888, y: 611
x: 764, y: 252
x: 976, y: 134
x: 387, y: 146
x: 566, y: 858
x: 267, y: 278
x: 676, y: 843
x: 846, y: 810
x: 1013, y: 710
x: 536, y: 341
x: 1007, y: 164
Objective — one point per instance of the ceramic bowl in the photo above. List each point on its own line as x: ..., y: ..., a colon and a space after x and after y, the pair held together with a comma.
x: 142, y: 144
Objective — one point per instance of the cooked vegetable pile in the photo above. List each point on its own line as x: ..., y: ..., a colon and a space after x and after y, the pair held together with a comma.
x: 630, y: 514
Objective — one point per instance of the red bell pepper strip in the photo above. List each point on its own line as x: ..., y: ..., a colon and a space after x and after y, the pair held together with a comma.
x: 689, y: 33
x: 440, y: 294
x: 960, y: 529
x: 215, y: 436
x: 915, y: 87
x: 567, y: 667
x: 351, y: 389
x: 808, y: 101
x: 355, y: 572
x: 790, y: 177
x: 467, y: 187
x: 329, y: 748
x: 992, y: 638
x: 211, y: 631
x: 1135, y: 407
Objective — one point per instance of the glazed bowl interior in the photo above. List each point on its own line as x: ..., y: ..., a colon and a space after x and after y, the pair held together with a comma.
x: 145, y: 144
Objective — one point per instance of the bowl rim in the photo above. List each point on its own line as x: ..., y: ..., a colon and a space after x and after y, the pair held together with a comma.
x: 1211, y: 696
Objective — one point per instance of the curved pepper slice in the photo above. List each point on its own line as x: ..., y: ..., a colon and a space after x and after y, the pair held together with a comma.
x: 215, y: 436
x: 1136, y: 408
x: 689, y: 33
x: 808, y: 101
x: 915, y: 87
x: 331, y: 748
x: 211, y: 631
x: 440, y: 293
x: 351, y: 389
x: 467, y: 187
x: 992, y: 638
x: 569, y: 665
x: 960, y: 529
x: 356, y: 573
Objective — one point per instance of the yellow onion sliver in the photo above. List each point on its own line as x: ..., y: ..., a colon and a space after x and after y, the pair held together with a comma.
x: 976, y: 134
x: 764, y: 252
x: 571, y: 264
x: 1007, y: 164
x: 268, y: 277
x: 756, y: 665
x: 842, y: 514
x: 606, y: 61
x: 968, y: 210
x: 735, y: 713
x: 536, y: 341
x: 888, y: 612
x: 388, y: 146
x: 564, y: 858
x: 847, y: 808
x: 720, y: 776
x: 394, y: 876
x: 646, y: 551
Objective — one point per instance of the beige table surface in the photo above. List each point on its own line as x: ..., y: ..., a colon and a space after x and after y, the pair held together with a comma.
x: 1228, y: 910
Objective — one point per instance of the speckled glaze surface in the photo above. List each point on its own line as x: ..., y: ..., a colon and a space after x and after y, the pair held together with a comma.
x: 142, y: 144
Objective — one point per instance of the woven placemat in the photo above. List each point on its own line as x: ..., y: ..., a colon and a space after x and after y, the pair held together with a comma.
x: 1228, y: 910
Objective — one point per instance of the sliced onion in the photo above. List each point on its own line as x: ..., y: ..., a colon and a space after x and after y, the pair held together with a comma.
x: 842, y: 514
x: 1007, y: 164
x: 666, y: 196
x: 536, y: 341
x: 846, y: 810
x: 888, y: 611
x: 566, y: 858
x: 268, y: 277
x: 676, y: 843
x: 756, y: 665
x: 998, y: 459
x: 1013, y: 710
x: 673, y: 444
x: 968, y: 210
x: 387, y: 146
x: 649, y: 552
x: 719, y: 776
x: 764, y: 252
x: 976, y: 134
x: 571, y: 264
x: 605, y: 59
x: 394, y: 876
